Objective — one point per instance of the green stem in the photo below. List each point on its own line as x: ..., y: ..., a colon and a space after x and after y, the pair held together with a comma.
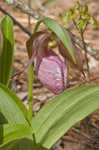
x: 31, y: 73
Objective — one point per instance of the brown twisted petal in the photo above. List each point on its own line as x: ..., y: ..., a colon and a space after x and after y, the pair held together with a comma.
x: 29, y: 43
x: 78, y: 54
x: 36, y: 46
x: 40, y: 43
x: 40, y: 46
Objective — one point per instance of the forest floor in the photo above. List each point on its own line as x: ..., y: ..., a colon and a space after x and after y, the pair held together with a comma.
x: 85, y: 134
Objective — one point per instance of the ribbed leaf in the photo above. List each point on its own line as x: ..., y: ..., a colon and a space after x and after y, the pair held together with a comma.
x: 6, y: 57
x: 62, y: 112
x: 12, y: 110
x: 10, y: 135
x: 61, y: 33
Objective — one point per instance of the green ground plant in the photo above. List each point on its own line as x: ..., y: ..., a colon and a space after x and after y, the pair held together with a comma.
x: 19, y: 128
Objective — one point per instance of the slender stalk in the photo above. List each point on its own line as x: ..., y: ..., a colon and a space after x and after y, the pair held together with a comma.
x: 29, y: 17
x: 86, y: 58
x: 31, y: 73
x: 84, y: 46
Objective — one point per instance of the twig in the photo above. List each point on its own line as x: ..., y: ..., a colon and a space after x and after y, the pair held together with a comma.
x: 86, y: 58
x: 91, y: 139
x: 24, y: 8
x: 47, y: 2
x: 41, y: 6
x: 15, y: 22
x: 84, y: 46
x: 91, y: 80
x: 29, y: 17
x: 81, y: 133
x: 91, y: 51
x: 75, y: 25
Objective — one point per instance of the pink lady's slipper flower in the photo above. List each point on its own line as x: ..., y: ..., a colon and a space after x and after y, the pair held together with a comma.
x: 52, y: 73
x: 51, y: 69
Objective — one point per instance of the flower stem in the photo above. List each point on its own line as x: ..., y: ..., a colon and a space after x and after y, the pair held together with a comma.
x: 86, y: 58
x: 31, y: 73
x: 84, y: 46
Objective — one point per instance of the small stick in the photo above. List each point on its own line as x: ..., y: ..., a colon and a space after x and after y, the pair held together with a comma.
x: 16, y: 22
x: 84, y: 47
x: 86, y: 57
x: 29, y: 17
x: 82, y: 133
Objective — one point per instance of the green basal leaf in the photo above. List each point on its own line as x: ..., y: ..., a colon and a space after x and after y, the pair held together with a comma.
x: 12, y: 134
x: 12, y: 110
x: 62, y: 112
x: 7, y: 51
x: 61, y: 33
